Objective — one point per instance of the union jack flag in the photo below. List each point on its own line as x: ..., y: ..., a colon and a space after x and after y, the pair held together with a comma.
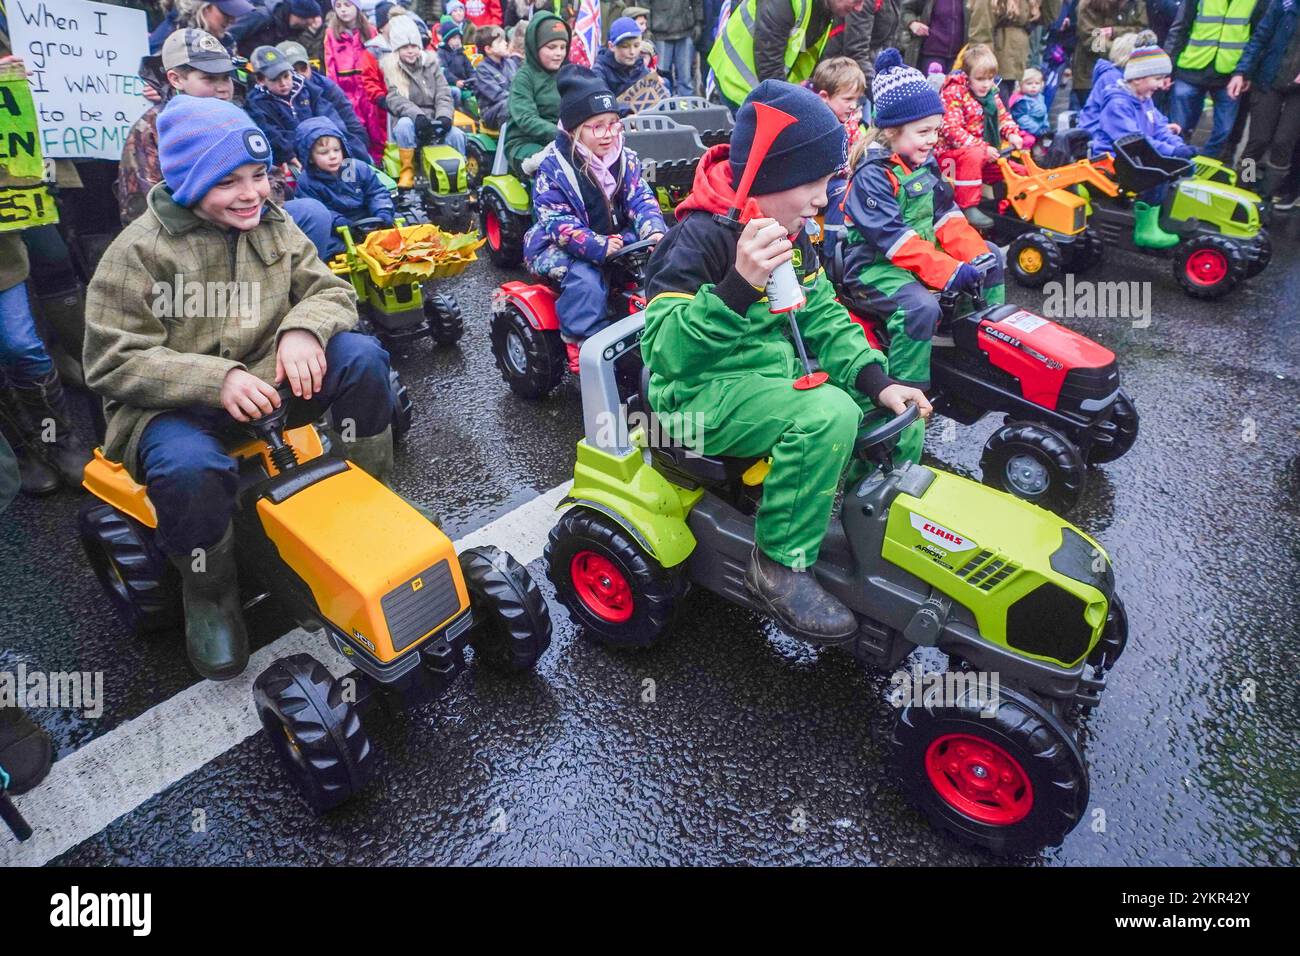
x: 586, y: 28
x: 710, y: 84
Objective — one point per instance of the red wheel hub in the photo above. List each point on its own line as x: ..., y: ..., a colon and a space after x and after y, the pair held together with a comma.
x: 601, y: 586
x: 979, y: 779
x: 1207, y: 267
x: 493, y: 230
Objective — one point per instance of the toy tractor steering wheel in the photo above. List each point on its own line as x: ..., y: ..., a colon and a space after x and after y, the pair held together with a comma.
x: 877, y: 445
x: 632, y: 250
x: 364, y: 227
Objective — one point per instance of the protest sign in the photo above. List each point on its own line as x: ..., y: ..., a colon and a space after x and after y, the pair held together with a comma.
x: 24, y: 200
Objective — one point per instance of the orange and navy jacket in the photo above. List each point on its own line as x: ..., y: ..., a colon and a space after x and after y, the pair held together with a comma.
x: 963, y: 116
x: 872, y: 211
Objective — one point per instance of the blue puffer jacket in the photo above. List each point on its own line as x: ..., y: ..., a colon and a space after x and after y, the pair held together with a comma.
x: 1105, y: 74
x: 1123, y: 114
x: 565, y: 223
x: 354, y: 192
x: 1266, y: 50
x: 329, y: 92
x: 617, y: 77
x: 279, y: 117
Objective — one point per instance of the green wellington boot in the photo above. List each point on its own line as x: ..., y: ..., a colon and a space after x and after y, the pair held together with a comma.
x: 1146, y: 228
x: 215, y: 637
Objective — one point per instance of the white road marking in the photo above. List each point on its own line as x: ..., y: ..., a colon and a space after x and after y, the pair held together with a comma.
x: 113, y: 774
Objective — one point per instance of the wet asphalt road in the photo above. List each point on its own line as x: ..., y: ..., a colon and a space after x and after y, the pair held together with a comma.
x: 757, y: 749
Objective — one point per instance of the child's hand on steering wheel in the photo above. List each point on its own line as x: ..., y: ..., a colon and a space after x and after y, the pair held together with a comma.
x: 1016, y: 140
x: 300, y: 359
x: 896, y: 398
x: 612, y: 245
x: 246, y: 397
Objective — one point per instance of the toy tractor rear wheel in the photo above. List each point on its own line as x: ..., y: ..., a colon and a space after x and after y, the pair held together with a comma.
x: 1034, y: 259
x: 314, y: 731
x: 443, y: 316
x: 1034, y: 462
x: 1119, y: 433
x: 532, y: 361
x: 502, y: 229
x: 141, y: 584
x: 1086, y: 252
x: 403, y: 407
x: 611, y: 586
x: 512, y: 626
x: 1209, y: 266
x: 1260, y: 254
x: 1013, y: 783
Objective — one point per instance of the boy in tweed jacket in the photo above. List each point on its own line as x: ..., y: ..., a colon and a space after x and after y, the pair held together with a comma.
x: 198, y: 310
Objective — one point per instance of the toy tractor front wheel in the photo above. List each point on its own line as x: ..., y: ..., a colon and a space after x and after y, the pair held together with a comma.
x: 618, y: 593
x: 1118, y: 435
x: 477, y: 161
x: 1034, y: 462
x: 403, y: 407
x: 442, y: 315
x: 1259, y: 254
x: 314, y: 730
x: 1034, y: 259
x: 1006, y: 774
x: 512, y: 628
x: 1209, y: 266
x: 503, y: 229
x: 1084, y: 253
x: 141, y: 584
x: 532, y: 361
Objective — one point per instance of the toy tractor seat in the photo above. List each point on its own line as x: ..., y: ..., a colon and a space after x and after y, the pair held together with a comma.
x: 668, y: 150
x: 706, y: 469
x: 712, y: 121
x: 1139, y: 166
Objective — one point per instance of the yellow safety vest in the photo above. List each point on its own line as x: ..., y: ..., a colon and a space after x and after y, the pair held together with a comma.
x: 732, y: 56
x: 1219, y: 34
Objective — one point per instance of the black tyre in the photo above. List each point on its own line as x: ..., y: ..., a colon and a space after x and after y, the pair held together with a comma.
x: 1117, y: 436
x: 512, y: 628
x: 1209, y: 266
x: 477, y: 162
x: 503, y: 229
x: 1034, y: 259
x: 403, y: 407
x: 1034, y: 462
x: 616, y: 591
x: 317, y: 734
x: 1114, y: 637
x: 1086, y: 252
x: 442, y: 314
x: 1012, y: 783
x: 532, y: 361
x: 1259, y: 254
x: 142, y: 585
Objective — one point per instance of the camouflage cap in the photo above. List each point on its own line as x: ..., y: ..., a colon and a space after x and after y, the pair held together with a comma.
x: 196, y: 48
x: 269, y: 62
x: 295, y: 52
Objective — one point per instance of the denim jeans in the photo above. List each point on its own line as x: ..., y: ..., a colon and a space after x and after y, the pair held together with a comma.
x: 677, y: 63
x: 183, y: 455
x: 1185, y: 109
x: 23, y: 357
x: 404, y: 136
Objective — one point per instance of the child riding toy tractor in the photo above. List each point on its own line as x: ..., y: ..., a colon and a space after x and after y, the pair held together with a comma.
x: 922, y: 558
x: 344, y: 554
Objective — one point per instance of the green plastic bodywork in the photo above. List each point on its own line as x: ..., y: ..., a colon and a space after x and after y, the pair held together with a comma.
x: 445, y: 169
x: 512, y: 191
x: 394, y: 300
x: 1214, y: 203
x: 1214, y: 170
x: 638, y: 497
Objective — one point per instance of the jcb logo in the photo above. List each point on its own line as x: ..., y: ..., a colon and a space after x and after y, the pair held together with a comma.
x: 417, y: 584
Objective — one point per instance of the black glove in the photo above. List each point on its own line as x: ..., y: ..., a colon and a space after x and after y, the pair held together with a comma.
x: 425, y: 129
x: 441, y: 125
x: 966, y: 279
x: 382, y: 103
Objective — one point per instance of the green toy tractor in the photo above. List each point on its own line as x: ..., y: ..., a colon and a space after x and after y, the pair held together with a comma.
x: 1011, y: 593
x: 505, y: 211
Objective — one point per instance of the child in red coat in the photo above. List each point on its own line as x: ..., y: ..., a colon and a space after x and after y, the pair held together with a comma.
x: 975, y: 122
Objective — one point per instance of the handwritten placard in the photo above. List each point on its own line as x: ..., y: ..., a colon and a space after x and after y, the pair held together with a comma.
x: 24, y: 200
x: 83, y: 58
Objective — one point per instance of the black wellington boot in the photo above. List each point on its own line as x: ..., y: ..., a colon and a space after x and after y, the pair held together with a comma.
x: 215, y: 637
x: 36, y: 477
x: 46, y: 410
x: 799, y: 602
x: 25, y: 750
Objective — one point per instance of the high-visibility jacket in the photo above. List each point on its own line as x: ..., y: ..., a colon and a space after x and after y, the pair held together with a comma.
x: 1219, y: 34
x: 732, y: 56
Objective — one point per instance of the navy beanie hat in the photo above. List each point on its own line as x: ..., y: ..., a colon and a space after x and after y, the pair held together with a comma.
x: 900, y: 94
x: 305, y: 8
x: 813, y: 146
x: 201, y: 141
x: 583, y: 95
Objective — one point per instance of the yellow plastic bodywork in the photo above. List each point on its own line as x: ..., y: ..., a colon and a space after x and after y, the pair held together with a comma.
x: 1041, y: 195
x: 352, y: 541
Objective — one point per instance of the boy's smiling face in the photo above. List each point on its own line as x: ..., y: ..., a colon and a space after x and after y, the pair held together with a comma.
x: 327, y: 154
x: 791, y: 207
x: 236, y: 201
x: 552, y: 55
x: 219, y: 86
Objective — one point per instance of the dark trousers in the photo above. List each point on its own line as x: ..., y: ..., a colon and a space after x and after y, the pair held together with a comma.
x: 1274, y: 132
x: 184, y: 455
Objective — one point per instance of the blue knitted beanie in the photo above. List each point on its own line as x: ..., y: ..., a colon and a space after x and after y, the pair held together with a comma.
x: 813, y: 146
x: 900, y: 94
x: 201, y: 141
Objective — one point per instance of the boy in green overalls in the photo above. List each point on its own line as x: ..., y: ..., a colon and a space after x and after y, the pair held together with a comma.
x: 718, y: 353
x: 904, y: 236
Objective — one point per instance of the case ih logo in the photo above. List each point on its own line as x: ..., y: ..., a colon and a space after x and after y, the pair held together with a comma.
x: 938, y: 534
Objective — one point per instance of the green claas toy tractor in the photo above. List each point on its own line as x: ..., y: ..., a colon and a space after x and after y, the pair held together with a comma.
x: 924, y: 558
